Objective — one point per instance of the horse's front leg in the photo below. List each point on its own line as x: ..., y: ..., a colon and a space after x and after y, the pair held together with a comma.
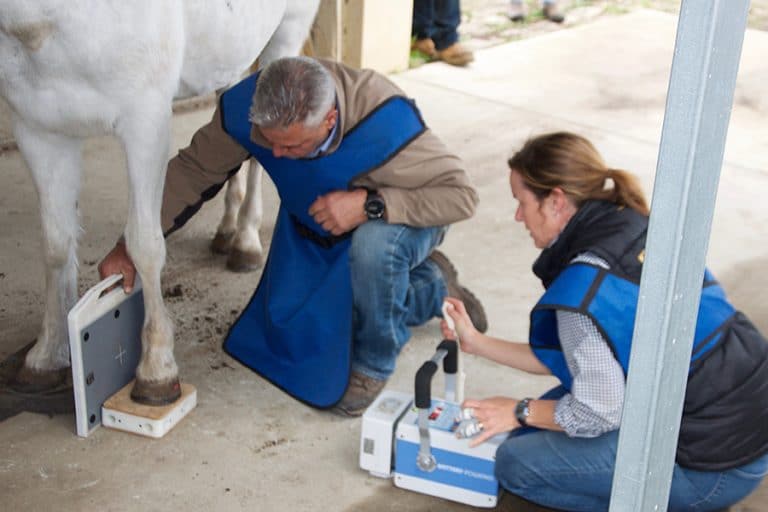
x: 145, y: 136
x: 55, y: 163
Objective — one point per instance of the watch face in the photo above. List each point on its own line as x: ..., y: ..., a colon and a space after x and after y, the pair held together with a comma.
x: 374, y: 207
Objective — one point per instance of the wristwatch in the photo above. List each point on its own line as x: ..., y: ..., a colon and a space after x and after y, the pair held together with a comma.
x: 374, y: 205
x: 522, y: 411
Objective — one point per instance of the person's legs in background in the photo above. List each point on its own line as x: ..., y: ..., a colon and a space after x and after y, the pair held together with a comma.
x: 446, y: 23
x: 435, y: 27
x: 518, y: 10
x: 423, y: 26
x: 551, y: 12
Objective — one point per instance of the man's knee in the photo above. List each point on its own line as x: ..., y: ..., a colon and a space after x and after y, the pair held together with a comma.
x: 373, y: 245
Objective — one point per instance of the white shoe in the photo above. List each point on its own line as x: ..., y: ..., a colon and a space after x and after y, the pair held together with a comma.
x: 517, y: 11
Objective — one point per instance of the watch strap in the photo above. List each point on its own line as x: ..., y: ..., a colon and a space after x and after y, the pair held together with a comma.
x: 374, y: 205
x: 523, y: 411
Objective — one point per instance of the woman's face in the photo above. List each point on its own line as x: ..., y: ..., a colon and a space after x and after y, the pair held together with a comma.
x: 543, y: 218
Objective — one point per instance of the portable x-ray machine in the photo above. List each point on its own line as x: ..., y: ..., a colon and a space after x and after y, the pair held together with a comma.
x: 424, y: 442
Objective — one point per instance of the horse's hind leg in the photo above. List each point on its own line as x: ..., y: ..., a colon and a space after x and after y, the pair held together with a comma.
x: 233, y: 199
x: 55, y: 163
x: 145, y: 137
x: 247, y: 253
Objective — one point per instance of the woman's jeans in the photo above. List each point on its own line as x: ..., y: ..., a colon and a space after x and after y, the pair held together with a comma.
x: 575, y: 474
x: 394, y: 287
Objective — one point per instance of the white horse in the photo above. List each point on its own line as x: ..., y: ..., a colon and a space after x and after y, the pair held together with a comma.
x: 72, y: 69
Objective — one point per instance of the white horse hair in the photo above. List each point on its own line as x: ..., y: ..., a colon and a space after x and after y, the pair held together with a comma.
x: 72, y: 69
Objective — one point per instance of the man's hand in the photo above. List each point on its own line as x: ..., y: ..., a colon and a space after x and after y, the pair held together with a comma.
x: 340, y: 211
x: 119, y: 262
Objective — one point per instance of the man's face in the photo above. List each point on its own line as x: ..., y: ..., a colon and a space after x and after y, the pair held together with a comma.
x: 298, y: 140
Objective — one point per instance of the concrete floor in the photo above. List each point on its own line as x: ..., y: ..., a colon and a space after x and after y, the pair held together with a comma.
x: 248, y: 446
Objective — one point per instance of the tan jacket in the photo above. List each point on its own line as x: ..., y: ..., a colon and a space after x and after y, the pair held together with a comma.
x: 423, y: 185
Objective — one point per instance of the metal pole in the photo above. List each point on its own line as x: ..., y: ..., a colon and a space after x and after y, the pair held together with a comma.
x: 704, y: 67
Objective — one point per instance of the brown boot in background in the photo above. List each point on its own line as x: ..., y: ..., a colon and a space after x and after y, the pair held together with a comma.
x: 456, y: 55
x: 451, y: 276
x: 425, y: 46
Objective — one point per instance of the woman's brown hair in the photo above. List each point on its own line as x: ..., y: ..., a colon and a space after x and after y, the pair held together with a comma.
x: 572, y: 163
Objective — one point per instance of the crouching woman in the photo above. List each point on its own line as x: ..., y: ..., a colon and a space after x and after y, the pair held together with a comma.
x: 590, y: 222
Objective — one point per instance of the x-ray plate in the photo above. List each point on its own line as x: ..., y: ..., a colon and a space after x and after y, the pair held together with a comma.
x: 105, y: 346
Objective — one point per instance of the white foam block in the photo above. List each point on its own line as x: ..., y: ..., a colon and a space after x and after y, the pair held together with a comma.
x: 121, y: 413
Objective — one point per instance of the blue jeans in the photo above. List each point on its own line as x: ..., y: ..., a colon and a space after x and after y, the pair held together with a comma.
x: 394, y: 287
x: 575, y: 474
x: 437, y: 20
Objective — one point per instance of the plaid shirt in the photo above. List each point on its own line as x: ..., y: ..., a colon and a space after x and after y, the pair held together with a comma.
x: 593, y: 406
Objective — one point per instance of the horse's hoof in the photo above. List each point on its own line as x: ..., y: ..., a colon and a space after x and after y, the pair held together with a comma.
x: 222, y: 243
x: 156, y: 393
x: 242, y: 261
x: 32, y: 381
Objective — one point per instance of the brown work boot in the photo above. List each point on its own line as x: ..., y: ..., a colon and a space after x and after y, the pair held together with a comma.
x: 451, y: 276
x: 361, y: 393
x: 456, y: 55
x: 517, y: 11
x: 552, y: 13
x: 425, y: 46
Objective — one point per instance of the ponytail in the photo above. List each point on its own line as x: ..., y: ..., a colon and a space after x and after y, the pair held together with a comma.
x: 627, y: 191
x: 570, y: 162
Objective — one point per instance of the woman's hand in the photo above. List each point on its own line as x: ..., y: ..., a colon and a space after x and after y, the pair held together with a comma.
x: 496, y: 415
x: 468, y: 335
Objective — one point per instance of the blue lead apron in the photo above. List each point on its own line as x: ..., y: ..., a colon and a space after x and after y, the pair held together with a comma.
x: 297, y: 328
x: 611, y: 302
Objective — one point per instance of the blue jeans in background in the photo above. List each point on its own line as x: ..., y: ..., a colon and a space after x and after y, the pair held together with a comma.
x: 437, y: 20
x: 394, y: 287
x: 575, y: 474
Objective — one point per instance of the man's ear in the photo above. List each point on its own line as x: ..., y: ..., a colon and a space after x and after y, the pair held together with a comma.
x: 331, y: 117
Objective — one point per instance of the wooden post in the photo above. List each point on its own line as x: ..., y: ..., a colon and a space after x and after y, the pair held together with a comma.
x: 372, y: 34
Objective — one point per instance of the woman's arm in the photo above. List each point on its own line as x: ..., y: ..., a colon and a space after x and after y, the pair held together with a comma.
x: 594, y: 404
x: 514, y: 355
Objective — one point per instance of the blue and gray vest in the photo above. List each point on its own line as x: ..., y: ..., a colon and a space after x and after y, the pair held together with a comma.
x: 726, y: 401
x: 297, y: 328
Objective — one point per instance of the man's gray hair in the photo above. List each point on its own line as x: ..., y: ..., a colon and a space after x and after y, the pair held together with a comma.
x: 292, y: 90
